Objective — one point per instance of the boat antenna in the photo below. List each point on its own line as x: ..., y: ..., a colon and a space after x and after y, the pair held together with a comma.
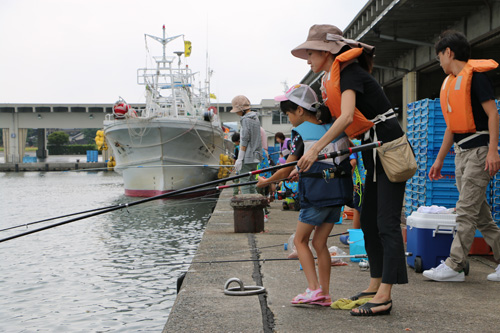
x: 164, y: 41
x: 179, y: 53
x: 285, y: 86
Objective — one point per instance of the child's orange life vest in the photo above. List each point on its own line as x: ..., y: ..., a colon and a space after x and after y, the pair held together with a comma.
x: 359, y: 124
x: 455, y: 96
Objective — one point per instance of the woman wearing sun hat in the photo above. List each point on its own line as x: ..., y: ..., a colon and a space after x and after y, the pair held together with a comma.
x: 362, y: 110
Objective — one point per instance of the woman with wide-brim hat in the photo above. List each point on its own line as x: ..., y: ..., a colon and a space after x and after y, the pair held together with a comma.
x: 362, y: 110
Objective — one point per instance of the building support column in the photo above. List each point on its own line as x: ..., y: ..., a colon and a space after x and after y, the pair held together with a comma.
x: 11, y: 141
x: 409, y: 94
x: 41, y: 152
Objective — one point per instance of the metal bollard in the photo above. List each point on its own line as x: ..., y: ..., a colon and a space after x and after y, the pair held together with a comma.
x: 248, y: 212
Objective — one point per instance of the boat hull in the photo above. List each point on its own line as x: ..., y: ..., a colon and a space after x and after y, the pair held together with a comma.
x: 157, y: 156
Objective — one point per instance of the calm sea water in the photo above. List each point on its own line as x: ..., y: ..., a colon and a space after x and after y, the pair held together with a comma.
x: 108, y: 273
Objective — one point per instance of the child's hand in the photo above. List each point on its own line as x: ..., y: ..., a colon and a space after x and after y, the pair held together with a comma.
x: 272, y: 190
x: 294, y: 176
x: 262, y: 182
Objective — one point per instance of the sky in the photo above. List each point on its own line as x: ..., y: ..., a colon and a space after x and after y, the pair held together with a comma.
x: 88, y: 51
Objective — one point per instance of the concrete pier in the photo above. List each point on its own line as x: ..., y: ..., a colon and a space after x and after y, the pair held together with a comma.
x: 419, y: 306
x: 50, y: 166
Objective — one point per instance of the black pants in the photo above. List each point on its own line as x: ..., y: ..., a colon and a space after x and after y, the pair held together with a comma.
x: 381, y: 225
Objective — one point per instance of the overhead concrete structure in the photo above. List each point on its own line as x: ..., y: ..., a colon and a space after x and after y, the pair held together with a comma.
x: 15, y: 119
x: 404, y: 32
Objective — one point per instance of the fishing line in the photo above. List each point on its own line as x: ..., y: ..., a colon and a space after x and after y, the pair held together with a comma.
x: 156, y: 166
x: 333, y: 154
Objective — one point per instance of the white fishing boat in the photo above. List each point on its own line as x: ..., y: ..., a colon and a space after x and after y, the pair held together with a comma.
x: 177, y: 140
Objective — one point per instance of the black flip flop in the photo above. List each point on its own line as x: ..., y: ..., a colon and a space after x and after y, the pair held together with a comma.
x: 362, y: 295
x: 366, y: 309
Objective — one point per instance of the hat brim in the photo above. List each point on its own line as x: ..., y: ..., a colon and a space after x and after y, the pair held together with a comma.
x: 301, y: 50
x: 281, y: 98
x: 236, y: 110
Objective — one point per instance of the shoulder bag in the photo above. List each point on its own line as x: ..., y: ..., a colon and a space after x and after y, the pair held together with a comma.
x: 398, y: 159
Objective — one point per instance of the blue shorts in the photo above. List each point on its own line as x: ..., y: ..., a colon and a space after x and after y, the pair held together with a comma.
x: 317, y: 215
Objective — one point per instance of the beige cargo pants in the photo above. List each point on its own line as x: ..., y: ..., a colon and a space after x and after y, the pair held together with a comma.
x: 473, y: 211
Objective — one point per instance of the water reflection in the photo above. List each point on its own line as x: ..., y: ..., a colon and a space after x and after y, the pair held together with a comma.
x: 105, y: 273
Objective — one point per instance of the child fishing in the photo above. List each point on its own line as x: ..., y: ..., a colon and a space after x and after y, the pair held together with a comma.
x: 321, y: 198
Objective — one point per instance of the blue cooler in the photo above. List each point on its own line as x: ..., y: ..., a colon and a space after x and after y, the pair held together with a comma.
x: 429, y: 238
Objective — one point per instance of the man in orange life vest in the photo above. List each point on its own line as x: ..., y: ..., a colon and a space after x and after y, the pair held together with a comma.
x: 468, y: 105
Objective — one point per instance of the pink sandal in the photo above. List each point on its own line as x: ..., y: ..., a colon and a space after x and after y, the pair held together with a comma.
x: 327, y: 301
x: 309, y: 297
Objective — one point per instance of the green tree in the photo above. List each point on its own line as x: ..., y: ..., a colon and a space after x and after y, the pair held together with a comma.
x: 58, y: 138
x: 89, y: 134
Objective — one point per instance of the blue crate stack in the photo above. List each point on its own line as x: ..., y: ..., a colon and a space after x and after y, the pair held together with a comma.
x: 92, y: 156
x: 494, y: 191
x: 494, y: 195
x: 426, y: 127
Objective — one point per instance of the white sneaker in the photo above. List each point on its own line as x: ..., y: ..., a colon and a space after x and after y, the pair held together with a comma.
x: 445, y: 273
x: 495, y: 276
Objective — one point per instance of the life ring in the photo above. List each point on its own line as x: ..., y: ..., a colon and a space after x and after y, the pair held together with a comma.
x: 120, y: 109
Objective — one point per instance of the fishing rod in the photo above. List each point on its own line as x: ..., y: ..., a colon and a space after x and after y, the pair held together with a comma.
x: 217, y: 188
x: 333, y: 154
x: 357, y: 256
x: 334, y: 235
x: 101, y: 208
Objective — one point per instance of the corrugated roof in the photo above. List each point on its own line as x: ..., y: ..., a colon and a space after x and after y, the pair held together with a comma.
x: 409, y: 22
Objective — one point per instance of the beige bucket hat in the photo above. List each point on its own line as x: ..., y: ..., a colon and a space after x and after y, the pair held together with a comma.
x: 326, y: 37
x: 240, y: 103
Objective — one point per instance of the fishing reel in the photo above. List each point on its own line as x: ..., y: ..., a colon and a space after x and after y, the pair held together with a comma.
x: 280, y: 195
x: 335, y: 172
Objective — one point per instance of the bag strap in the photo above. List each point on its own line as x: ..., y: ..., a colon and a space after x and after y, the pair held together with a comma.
x: 389, y: 114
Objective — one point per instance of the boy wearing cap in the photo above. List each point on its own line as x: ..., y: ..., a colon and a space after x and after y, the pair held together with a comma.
x: 250, y: 153
x: 321, y: 199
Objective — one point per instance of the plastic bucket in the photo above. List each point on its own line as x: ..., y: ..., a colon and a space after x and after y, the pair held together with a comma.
x: 356, y: 243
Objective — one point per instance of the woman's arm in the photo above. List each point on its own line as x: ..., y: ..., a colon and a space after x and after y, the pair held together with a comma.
x: 347, y: 107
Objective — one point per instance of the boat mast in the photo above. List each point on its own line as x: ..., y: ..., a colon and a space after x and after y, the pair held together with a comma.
x: 162, y: 64
x: 164, y: 41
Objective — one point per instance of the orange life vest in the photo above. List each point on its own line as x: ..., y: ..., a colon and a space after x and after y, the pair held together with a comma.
x: 359, y: 124
x: 455, y: 96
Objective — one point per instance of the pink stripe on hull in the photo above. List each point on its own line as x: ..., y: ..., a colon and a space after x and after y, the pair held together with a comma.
x: 153, y: 193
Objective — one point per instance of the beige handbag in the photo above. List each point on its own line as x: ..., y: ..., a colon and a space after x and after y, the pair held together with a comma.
x: 398, y: 159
